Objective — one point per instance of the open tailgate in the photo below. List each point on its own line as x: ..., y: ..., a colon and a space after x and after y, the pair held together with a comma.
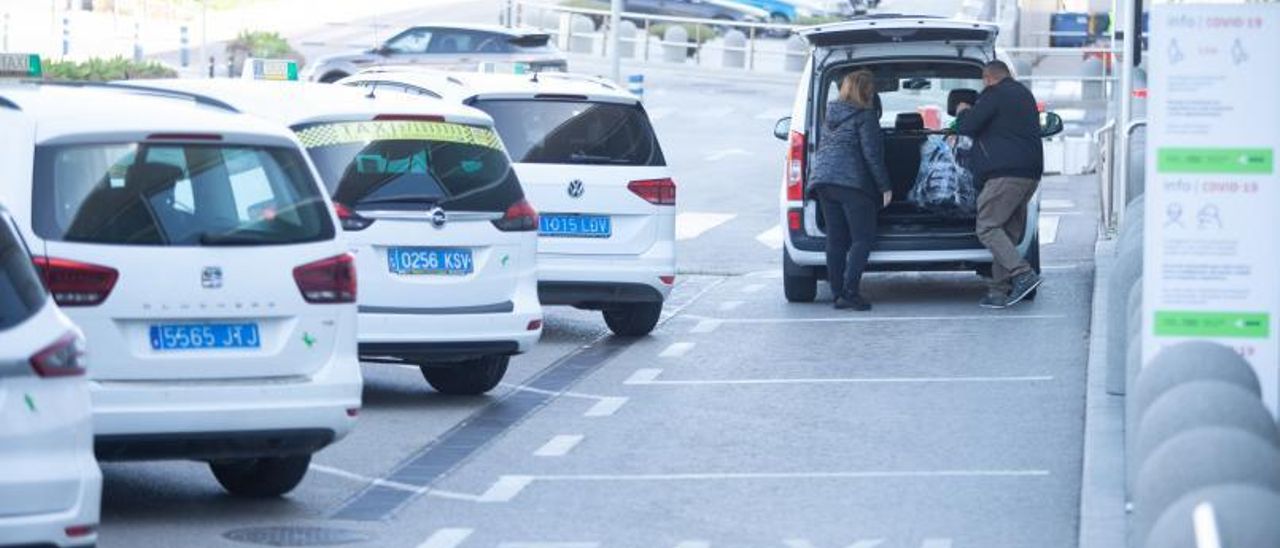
x: 889, y: 29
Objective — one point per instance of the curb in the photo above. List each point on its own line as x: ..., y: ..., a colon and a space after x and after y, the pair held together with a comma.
x: 1102, y: 499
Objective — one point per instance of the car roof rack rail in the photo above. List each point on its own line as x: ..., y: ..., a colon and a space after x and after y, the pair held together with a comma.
x: 163, y: 92
x: 603, y: 82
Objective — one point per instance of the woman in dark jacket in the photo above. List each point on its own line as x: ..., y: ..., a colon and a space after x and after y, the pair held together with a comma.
x: 850, y: 180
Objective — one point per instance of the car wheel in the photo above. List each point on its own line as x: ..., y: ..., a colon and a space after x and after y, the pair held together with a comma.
x: 332, y: 77
x: 469, y: 378
x: 1033, y: 257
x: 261, y: 477
x: 799, y: 284
x: 633, y: 319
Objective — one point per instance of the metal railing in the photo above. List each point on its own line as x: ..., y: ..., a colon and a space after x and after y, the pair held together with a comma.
x: 1105, y: 137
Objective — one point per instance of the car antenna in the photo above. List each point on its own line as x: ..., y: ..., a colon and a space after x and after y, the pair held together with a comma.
x: 372, y: 91
x: 534, y: 79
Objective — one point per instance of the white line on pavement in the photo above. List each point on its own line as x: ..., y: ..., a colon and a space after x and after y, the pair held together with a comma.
x: 656, y: 114
x: 506, y: 488
x: 1051, y: 203
x: 753, y: 288
x: 559, y: 446
x: 605, y: 407
x: 1051, y: 267
x: 446, y: 538
x: 693, y: 544
x: 690, y: 225
x: 867, y: 319
x: 566, y: 394
x: 805, y: 543
x: 677, y: 350
x: 771, y: 238
x: 864, y: 474
x: 438, y: 493
x: 1049, y: 228
x: 651, y: 379
x: 936, y: 543
x: 548, y: 544
x: 868, y: 543
x: 729, y: 306
x: 706, y: 326
x: 717, y: 155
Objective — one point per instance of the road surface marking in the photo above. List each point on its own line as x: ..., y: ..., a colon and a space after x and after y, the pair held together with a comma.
x: 1049, y: 228
x: 804, y: 543
x: 729, y: 306
x: 1057, y: 204
x: 643, y: 376
x: 867, y: 319
x: 706, y: 326
x: 863, y: 474
x: 1051, y: 267
x: 605, y: 407
x: 677, y: 350
x: 693, y: 544
x: 559, y: 446
x: 446, y: 538
x: 936, y: 543
x: 438, y: 493
x: 506, y: 488
x: 548, y: 544
x: 753, y: 288
x: 656, y: 114
x: 567, y: 394
x: 771, y: 238
x: 693, y: 224
x: 717, y: 155
x: 648, y: 378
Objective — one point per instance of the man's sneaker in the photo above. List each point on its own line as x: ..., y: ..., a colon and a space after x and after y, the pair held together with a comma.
x: 994, y: 300
x: 853, y: 303
x: 1023, y: 284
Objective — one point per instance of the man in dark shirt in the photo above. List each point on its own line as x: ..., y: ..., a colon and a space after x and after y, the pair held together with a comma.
x: 1008, y: 160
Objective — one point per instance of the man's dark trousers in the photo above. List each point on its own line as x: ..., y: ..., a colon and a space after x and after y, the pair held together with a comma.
x: 1002, y: 223
x: 851, y: 231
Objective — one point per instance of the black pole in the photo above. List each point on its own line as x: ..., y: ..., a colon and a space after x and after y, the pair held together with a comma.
x: 1136, y: 29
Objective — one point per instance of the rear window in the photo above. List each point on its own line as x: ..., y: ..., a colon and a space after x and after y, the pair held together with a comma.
x: 21, y: 293
x: 177, y: 195
x: 543, y: 131
x: 412, y: 165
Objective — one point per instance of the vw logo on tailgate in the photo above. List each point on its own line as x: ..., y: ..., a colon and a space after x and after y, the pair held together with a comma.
x: 576, y: 188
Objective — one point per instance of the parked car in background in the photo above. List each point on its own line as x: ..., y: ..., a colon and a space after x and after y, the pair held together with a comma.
x: 780, y: 11
x: 459, y: 47
x: 199, y: 253
x: 726, y: 10
x: 50, y: 485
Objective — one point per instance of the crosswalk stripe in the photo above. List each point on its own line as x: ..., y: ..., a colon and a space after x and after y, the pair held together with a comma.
x: 691, y: 224
x: 771, y: 238
x: 1049, y: 228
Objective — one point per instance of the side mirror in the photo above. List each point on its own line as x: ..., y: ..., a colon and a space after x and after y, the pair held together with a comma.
x: 1050, y: 124
x: 782, y: 129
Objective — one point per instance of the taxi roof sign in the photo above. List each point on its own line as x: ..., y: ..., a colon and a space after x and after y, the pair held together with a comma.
x: 20, y: 65
x: 280, y: 70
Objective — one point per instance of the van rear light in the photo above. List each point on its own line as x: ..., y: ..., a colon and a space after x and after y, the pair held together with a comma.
x: 795, y: 219
x: 533, y: 325
x: 349, y: 219
x: 520, y: 217
x: 64, y: 358
x: 77, y: 531
x: 667, y: 280
x: 795, y: 167
x: 655, y: 191
x: 328, y: 281
x: 74, y: 283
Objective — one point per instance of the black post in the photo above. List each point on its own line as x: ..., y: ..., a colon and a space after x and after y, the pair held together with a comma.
x: 1136, y: 29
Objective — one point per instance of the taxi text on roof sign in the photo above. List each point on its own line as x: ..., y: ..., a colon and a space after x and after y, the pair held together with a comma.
x: 270, y: 69
x: 342, y: 133
x: 21, y: 65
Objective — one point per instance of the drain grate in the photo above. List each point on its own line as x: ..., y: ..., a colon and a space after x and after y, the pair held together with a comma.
x: 296, y: 536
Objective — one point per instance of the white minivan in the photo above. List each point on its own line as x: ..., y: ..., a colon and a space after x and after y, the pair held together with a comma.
x: 924, y: 66
x: 198, y: 251
x: 50, y: 485
x: 444, y: 239
x: 591, y: 163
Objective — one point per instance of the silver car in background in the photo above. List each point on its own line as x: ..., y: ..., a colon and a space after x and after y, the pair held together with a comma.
x: 457, y: 47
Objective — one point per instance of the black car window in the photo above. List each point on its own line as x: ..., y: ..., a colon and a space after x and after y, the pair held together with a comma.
x: 415, y: 40
x: 21, y: 293
x: 543, y: 131
x: 448, y: 41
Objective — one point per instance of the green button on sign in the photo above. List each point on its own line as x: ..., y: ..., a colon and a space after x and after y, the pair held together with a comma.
x: 1249, y: 325
x: 1216, y: 160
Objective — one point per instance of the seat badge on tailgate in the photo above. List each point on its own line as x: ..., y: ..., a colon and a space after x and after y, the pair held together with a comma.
x: 211, y: 277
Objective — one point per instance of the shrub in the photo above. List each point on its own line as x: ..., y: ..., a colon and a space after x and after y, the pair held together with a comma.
x: 259, y: 44
x: 810, y: 21
x: 587, y: 4
x: 98, y: 69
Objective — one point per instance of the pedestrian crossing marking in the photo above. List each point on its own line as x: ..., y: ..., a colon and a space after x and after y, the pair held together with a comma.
x: 691, y: 224
x: 1049, y: 228
x: 771, y: 238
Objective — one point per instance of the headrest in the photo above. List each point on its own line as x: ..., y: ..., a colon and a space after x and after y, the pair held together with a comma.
x: 958, y: 96
x: 148, y: 177
x: 909, y: 121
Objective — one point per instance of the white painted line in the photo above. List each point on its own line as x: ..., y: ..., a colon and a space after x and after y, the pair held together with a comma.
x: 690, y: 225
x: 446, y: 538
x: 863, y: 474
x: 643, y: 376
x: 936, y: 543
x: 706, y: 326
x: 567, y: 394
x: 716, y: 156
x: 656, y: 114
x: 637, y: 379
x: 693, y: 544
x: 753, y: 288
x: 1052, y: 267
x: 506, y: 488
x: 677, y: 350
x: 548, y: 544
x: 1049, y: 228
x: 438, y: 493
x: 605, y: 407
x: 771, y: 238
x: 1205, y: 525
x: 729, y: 306
x: 805, y: 543
x: 1057, y: 204
x: 559, y: 446
x: 867, y: 543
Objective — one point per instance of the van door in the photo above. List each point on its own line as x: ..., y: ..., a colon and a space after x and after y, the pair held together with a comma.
x: 895, y: 36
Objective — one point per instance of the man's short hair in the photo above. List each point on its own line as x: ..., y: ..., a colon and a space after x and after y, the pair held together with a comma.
x: 997, y: 69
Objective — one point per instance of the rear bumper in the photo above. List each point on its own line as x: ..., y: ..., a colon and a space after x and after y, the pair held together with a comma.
x: 212, y: 445
x: 602, y: 279
x: 415, y: 352
x: 502, y: 330
x: 597, y: 295
x: 50, y: 529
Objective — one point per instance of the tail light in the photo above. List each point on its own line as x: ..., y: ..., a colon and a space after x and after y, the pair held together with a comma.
x: 76, y: 531
x: 74, y: 283
x: 328, y: 281
x: 795, y: 167
x: 520, y: 217
x: 655, y: 191
x: 350, y: 220
x: 64, y: 358
x: 667, y: 280
x: 795, y: 219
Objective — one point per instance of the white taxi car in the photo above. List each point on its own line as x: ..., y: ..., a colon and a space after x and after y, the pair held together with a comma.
x: 196, y: 248
x: 444, y: 239
x: 588, y: 157
x: 50, y: 485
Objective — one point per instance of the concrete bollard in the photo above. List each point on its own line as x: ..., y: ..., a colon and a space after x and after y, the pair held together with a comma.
x: 672, y: 50
x: 1192, y: 405
x: 1192, y: 361
x: 1245, y: 515
x: 66, y: 36
x: 1133, y: 304
x: 184, y: 50
x: 1197, y: 459
x: 1127, y: 268
x: 627, y: 39
x: 735, y: 53
x: 582, y: 41
x: 797, y: 54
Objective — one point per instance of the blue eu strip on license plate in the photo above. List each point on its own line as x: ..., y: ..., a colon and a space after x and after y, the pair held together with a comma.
x: 430, y: 260
x: 204, y: 336
x: 575, y: 226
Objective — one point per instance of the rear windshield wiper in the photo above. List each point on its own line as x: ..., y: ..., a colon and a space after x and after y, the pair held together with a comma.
x: 595, y: 159
x: 237, y: 238
x: 429, y: 201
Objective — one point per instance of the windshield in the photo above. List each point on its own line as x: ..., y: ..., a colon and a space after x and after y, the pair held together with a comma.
x: 177, y: 195
x: 412, y: 165
x: 541, y: 131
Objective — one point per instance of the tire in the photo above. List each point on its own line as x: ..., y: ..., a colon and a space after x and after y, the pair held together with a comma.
x: 799, y: 284
x: 332, y: 77
x: 1033, y: 257
x: 264, y: 477
x: 632, y: 319
x: 469, y: 378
